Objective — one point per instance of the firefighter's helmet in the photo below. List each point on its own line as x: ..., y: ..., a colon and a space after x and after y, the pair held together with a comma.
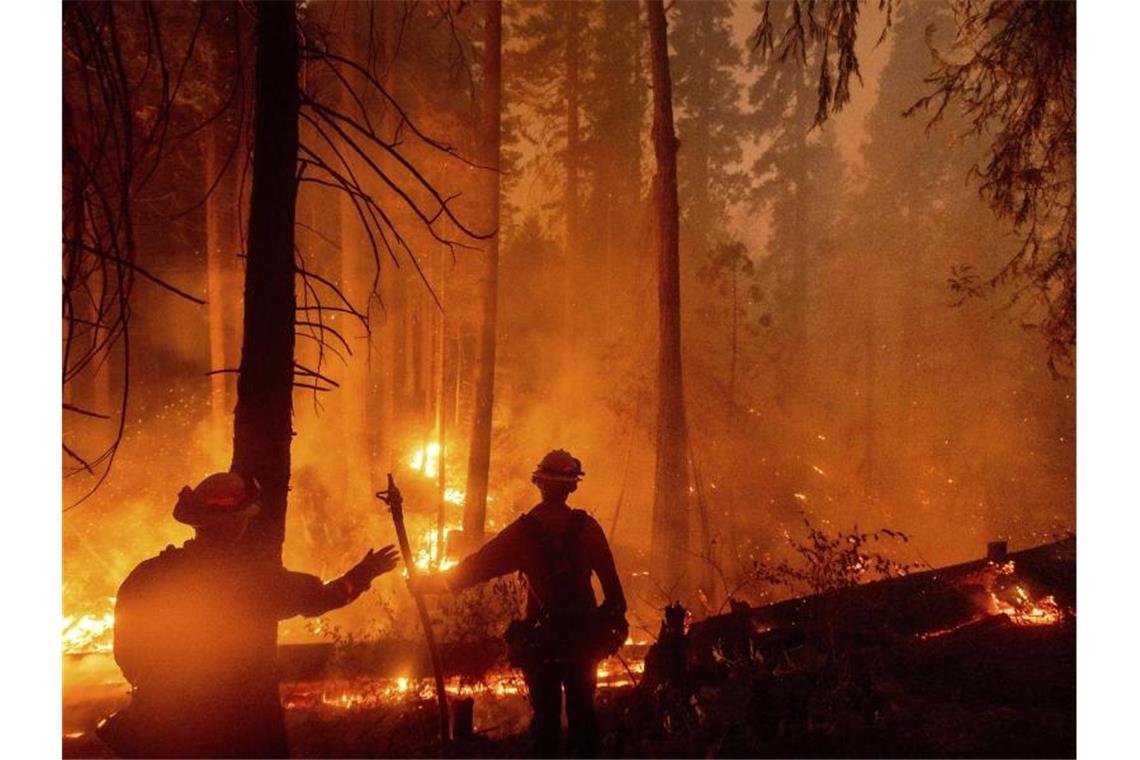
x: 559, y: 466
x: 220, y: 497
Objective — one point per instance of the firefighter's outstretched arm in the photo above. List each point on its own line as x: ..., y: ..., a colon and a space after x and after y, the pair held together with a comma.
x: 303, y: 594
x: 498, y: 556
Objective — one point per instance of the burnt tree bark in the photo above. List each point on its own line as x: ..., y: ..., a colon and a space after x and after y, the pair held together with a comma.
x: 671, y: 487
x: 479, y: 459
x: 263, y: 418
x: 215, y: 295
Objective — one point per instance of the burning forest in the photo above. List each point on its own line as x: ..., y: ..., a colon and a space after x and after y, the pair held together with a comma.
x: 768, y: 307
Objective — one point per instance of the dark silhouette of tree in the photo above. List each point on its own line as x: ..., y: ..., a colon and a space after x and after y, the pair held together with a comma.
x: 347, y: 152
x: 263, y: 423
x: 1012, y: 72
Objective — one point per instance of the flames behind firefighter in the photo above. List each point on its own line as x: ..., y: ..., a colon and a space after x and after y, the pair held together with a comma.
x: 564, y: 633
x: 195, y: 633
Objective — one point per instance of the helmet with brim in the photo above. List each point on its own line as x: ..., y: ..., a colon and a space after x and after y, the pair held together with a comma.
x: 559, y: 466
x: 220, y: 498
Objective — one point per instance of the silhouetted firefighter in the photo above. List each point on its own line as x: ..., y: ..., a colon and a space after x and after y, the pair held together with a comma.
x: 189, y: 629
x: 565, y: 633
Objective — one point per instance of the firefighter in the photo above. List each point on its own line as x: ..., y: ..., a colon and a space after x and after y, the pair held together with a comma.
x: 195, y: 633
x: 564, y: 633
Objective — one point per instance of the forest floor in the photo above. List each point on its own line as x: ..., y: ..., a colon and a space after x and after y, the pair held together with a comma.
x: 988, y: 689
x: 975, y: 660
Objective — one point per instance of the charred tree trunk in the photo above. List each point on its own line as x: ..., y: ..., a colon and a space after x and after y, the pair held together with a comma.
x: 215, y: 279
x: 263, y: 418
x: 671, y: 488
x: 479, y: 459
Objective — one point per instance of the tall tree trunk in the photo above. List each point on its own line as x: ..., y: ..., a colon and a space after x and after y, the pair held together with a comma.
x: 385, y: 350
x: 479, y: 459
x: 573, y: 148
x: 441, y: 413
x: 355, y: 284
x: 215, y: 210
x: 801, y: 201
x: 263, y: 418
x: 734, y: 347
x: 671, y: 487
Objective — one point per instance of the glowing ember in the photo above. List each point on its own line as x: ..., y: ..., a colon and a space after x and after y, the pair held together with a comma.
x: 1023, y: 610
x: 1020, y: 606
x: 89, y: 633
x: 371, y: 693
x: 1011, y: 599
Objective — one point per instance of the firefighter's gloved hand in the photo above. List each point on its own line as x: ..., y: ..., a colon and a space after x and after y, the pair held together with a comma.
x: 374, y: 564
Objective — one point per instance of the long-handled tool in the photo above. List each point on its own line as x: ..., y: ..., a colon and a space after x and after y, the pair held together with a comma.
x: 395, y: 502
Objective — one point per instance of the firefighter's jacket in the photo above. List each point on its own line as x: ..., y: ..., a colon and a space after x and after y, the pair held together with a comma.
x: 195, y: 635
x: 570, y: 545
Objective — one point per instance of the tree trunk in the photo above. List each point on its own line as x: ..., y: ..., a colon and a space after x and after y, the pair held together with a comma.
x: 441, y: 413
x: 385, y: 350
x: 735, y: 345
x: 215, y: 284
x: 263, y: 418
x: 671, y: 487
x: 355, y: 284
x: 479, y: 459
x: 571, y: 200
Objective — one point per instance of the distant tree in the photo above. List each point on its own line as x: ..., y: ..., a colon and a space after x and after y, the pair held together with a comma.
x: 798, y: 180
x: 733, y: 306
x: 902, y: 335
x: 614, y: 109
x: 550, y: 70
x: 1012, y: 72
x: 711, y: 125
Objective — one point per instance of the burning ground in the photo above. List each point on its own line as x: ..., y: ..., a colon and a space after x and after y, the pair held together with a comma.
x: 976, y: 659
